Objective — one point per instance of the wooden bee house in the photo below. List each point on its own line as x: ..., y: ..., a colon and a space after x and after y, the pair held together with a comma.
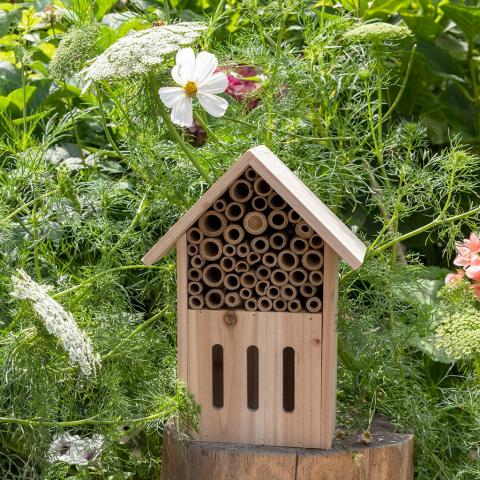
x: 257, y: 275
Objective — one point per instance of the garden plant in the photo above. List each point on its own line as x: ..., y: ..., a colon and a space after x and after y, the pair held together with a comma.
x: 108, y: 134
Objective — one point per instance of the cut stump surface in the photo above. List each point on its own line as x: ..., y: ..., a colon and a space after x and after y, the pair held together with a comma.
x: 388, y: 457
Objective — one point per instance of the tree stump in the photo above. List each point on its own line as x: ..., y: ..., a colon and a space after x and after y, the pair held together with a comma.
x: 388, y: 457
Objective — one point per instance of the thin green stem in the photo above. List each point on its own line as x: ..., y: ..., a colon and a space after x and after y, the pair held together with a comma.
x: 24, y: 92
x: 105, y: 272
x: 434, y: 223
x: 74, y: 121
x: 166, y: 10
x: 135, y: 332
x: 105, y: 126
x: 477, y: 366
x: 176, y: 136
x: 211, y: 29
x: 36, y: 259
x: 473, y: 78
x: 23, y: 207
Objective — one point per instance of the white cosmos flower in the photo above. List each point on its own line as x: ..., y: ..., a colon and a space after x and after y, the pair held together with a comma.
x: 195, y: 77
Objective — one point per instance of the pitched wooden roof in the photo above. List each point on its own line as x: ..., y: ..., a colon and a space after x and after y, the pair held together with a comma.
x: 333, y: 231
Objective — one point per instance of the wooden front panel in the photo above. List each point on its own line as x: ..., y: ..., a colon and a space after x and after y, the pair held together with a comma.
x: 271, y: 332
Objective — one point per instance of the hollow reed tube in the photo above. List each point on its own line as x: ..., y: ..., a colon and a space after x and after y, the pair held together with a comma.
x: 308, y: 290
x: 279, y: 277
x: 261, y: 187
x: 232, y: 299
x: 298, y: 276
x: 234, y: 211
x: 277, y: 219
x: 196, y: 302
x: 251, y: 304
x: 278, y: 240
x: 227, y: 264
x: 232, y: 281
x: 212, y: 223
x: 276, y: 201
x: 194, y: 235
x: 219, y: 205
x: 240, y: 191
x: 316, y: 278
x: 233, y: 234
x: 279, y: 305
x: 294, y: 305
x: 194, y: 274
x: 211, y: 249
x: 314, y: 305
x: 316, y: 241
x: 192, y: 249
x: 195, y: 288
x: 213, y: 275
x: 303, y: 230
x: 259, y: 203
x: 260, y: 244
x: 255, y: 223
x: 312, y: 260
x: 299, y: 245
x: 215, y: 298
x: 288, y: 292
x: 265, y: 304
x: 261, y: 287
x: 287, y: 260
x: 197, y: 261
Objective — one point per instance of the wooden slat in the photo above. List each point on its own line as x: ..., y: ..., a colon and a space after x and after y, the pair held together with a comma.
x: 294, y: 192
x: 182, y: 299
x: 166, y: 243
x: 329, y: 346
x: 271, y: 333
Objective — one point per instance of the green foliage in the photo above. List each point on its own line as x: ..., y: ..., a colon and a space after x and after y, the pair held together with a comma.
x: 90, y: 181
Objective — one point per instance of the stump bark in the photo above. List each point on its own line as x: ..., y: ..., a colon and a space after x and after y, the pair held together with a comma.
x: 388, y: 457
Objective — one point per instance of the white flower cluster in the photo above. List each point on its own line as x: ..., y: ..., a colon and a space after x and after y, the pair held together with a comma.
x: 137, y: 53
x: 74, y: 450
x: 58, y: 322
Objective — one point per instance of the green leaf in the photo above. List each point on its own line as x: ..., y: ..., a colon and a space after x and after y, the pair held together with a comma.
x: 103, y: 6
x: 422, y: 26
x: 10, y: 77
x: 384, y: 8
x: 16, y: 97
x: 466, y: 18
x: 4, y: 104
x: 440, y: 61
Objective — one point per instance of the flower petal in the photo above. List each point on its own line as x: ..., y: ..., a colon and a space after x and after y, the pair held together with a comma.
x: 205, y: 65
x: 170, y: 96
x: 216, y: 83
x: 184, y: 69
x: 214, y: 105
x: 182, y: 113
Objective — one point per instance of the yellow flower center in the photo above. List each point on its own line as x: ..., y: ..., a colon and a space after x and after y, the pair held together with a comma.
x: 191, y: 88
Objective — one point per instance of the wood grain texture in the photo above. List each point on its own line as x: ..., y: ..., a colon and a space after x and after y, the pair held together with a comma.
x: 182, y: 306
x: 271, y: 332
x: 290, y: 188
x: 329, y: 345
x: 390, y: 457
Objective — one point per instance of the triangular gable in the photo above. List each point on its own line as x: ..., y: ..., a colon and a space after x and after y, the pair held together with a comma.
x: 333, y: 231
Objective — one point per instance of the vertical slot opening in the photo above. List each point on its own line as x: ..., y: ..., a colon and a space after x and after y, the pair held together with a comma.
x: 217, y: 376
x: 288, y: 379
x: 252, y: 377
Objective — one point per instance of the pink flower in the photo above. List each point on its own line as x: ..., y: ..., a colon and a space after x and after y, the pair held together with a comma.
x: 473, y: 270
x: 467, y: 250
x: 454, y: 277
x: 242, y: 81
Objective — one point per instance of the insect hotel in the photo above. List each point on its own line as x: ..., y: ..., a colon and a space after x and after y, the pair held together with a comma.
x: 257, y: 274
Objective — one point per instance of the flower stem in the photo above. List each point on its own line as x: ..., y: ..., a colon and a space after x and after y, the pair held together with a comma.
x: 477, y: 366
x: 177, y: 137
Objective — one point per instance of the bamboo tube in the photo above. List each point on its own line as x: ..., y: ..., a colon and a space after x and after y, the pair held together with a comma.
x: 212, y: 223
x: 316, y: 278
x: 278, y: 240
x: 294, y: 305
x: 255, y: 223
x: 251, y: 304
x: 240, y: 191
x: 298, y: 276
x: 229, y: 250
x: 232, y: 281
x: 246, y: 293
x: 192, y: 249
x: 261, y: 288
x: 227, y: 264
x: 316, y: 241
x: 260, y: 244
x: 195, y: 288
x: 219, y: 205
x: 298, y: 245
x: 194, y: 235
x: 279, y: 305
x: 314, y: 305
x: 233, y: 234
x: 211, y: 249
x: 263, y: 273
x: 234, y: 211
x: 287, y: 260
x: 232, y: 299
x: 308, y: 290
x: 248, y: 280
x: 242, y: 266
x: 303, y: 230
x: 196, y: 302
x: 250, y: 174
x: 262, y: 187
x: 293, y: 216
x: 288, y: 292
x: 259, y: 203
x: 278, y: 219
x: 264, y: 304
x: 279, y: 277
x: 312, y: 260
x: 215, y: 298
x: 197, y: 261
x: 194, y: 274
x: 213, y: 275
x: 273, y: 292
x: 243, y: 250
x: 253, y: 258
x: 276, y: 201
x: 269, y: 259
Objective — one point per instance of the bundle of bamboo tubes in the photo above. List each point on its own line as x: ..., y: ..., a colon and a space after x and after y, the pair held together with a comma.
x: 252, y: 251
